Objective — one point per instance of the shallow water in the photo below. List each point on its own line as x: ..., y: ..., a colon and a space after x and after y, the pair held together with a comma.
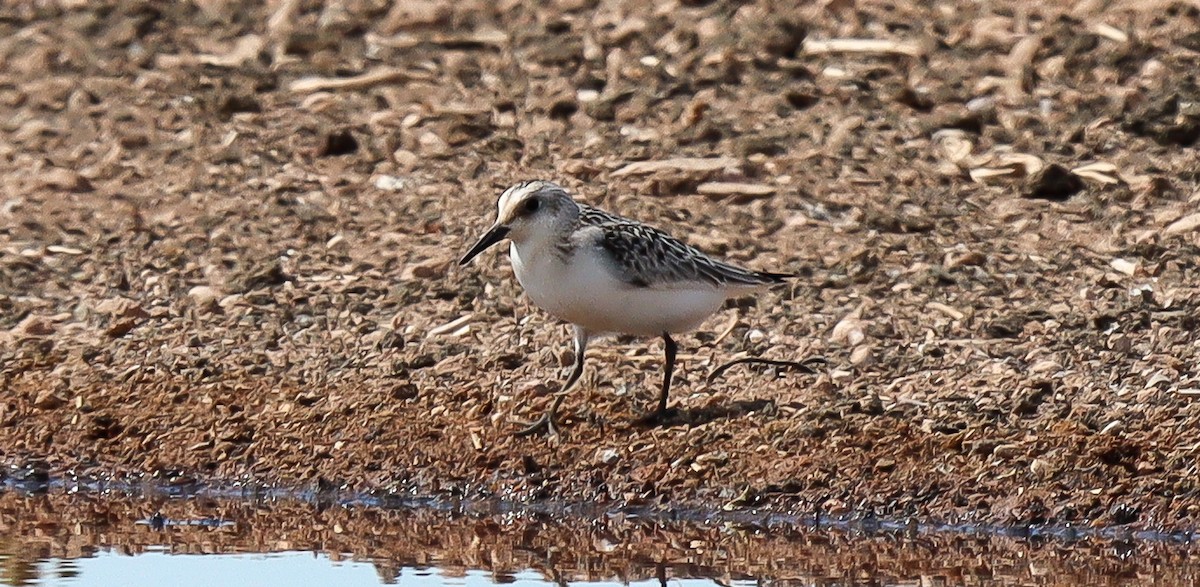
x: 155, y: 569
x: 61, y: 538
x: 293, y: 569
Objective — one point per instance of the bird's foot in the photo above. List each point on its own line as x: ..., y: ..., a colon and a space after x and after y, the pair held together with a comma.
x: 543, y: 424
x: 657, y: 418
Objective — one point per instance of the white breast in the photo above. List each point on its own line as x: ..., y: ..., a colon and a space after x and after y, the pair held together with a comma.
x: 584, y: 291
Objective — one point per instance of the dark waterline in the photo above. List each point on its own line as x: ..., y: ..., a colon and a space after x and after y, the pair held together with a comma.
x: 864, y: 523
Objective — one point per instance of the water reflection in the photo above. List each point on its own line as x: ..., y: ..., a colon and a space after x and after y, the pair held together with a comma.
x: 290, y: 569
x: 56, y: 539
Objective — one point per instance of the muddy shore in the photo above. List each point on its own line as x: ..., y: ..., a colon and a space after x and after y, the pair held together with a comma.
x: 227, y: 244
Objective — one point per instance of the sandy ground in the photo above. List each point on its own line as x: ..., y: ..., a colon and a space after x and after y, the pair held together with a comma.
x: 228, y: 234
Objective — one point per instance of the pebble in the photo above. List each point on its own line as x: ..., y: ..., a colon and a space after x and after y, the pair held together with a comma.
x: 47, y: 399
x: 405, y: 160
x: 390, y: 183
x: 607, y: 456
x: 204, y: 295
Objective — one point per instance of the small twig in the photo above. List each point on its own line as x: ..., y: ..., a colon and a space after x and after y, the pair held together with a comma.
x: 885, y: 46
x: 805, y: 365
x: 375, y: 77
x: 733, y: 322
x: 681, y: 164
x: 1020, y: 64
x: 485, y: 38
x: 280, y: 26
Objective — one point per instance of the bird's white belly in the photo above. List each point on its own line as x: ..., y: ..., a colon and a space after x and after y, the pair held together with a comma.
x: 586, y: 293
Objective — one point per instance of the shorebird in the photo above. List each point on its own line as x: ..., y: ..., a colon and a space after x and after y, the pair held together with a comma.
x: 604, y: 273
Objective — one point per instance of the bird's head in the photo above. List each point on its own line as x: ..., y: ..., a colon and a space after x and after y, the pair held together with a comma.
x: 526, y: 211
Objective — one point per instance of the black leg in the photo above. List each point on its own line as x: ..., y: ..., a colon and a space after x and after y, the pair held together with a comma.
x: 547, y: 421
x: 661, y: 413
x: 669, y: 348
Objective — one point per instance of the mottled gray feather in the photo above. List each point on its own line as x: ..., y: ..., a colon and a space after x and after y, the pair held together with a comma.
x: 647, y: 257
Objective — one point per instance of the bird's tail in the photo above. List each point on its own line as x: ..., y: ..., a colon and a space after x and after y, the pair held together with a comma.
x: 771, y: 277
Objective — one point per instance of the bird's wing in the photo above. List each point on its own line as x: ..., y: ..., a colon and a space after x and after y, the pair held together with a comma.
x: 643, y: 256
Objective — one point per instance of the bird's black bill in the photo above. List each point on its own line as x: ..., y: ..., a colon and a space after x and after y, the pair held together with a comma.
x: 494, y: 235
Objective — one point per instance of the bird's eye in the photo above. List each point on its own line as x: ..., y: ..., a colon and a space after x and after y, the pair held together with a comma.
x: 532, y: 205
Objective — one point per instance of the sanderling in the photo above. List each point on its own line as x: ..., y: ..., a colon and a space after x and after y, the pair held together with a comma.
x: 607, y: 274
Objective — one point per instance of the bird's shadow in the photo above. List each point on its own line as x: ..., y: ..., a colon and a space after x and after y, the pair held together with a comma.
x: 698, y: 416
